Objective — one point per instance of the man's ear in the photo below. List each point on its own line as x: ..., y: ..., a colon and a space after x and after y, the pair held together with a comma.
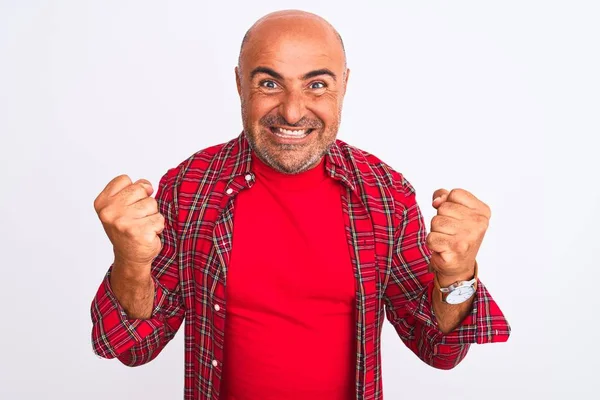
x: 346, y: 79
x: 238, y: 81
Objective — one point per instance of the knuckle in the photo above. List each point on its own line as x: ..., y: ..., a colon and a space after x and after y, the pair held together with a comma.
x: 455, y: 194
x: 139, y: 190
x: 121, y: 180
x: 452, y: 224
x: 428, y: 240
x: 444, y: 222
x: 144, y: 205
x: 157, y: 222
x: 134, y: 191
x: 449, y: 258
x: 97, y: 204
x: 463, y: 246
x: 445, y: 206
x: 481, y: 220
x: 121, y: 225
x: 136, y: 233
x: 151, y: 211
x: 489, y: 211
x: 153, y: 204
x: 105, y: 214
x: 159, y: 244
x: 149, y: 236
x: 431, y: 240
x: 124, y: 178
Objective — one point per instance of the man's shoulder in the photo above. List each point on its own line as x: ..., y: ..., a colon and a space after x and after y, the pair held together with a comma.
x: 371, y: 169
x: 206, y: 164
x: 205, y: 158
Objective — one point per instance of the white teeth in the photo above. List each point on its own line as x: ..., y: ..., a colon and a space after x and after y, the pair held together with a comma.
x: 291, y: 133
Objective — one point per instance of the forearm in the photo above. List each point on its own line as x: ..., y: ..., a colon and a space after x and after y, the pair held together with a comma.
x: 117, y: 332
x: 450, y: 316
x: 134, y: 292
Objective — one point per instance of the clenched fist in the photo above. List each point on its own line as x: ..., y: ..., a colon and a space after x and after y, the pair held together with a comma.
x: 131, y: 220
x: 456, y: 234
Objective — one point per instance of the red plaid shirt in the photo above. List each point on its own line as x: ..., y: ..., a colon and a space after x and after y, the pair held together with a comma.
x: 386, y: 235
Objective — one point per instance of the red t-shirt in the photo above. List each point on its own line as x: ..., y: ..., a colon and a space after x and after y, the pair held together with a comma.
x: 289, y: 331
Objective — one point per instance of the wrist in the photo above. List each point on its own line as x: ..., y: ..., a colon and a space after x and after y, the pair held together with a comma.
x: 444, y: 280
x: 130, y: 288
x: 131, y: 275
x: 130, y: 270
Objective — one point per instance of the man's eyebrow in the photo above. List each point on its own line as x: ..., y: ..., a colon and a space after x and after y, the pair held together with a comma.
x: 277, y: 75
x: 265, y: 70
x: 317, y: 72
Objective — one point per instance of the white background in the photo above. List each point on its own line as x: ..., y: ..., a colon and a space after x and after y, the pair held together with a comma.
x: 499, y: 98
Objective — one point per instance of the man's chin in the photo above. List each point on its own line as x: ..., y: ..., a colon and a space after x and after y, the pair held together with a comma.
x: 287, y: 162
x: 288, y: 158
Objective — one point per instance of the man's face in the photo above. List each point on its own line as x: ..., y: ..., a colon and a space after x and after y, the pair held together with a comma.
x: 291, y: 86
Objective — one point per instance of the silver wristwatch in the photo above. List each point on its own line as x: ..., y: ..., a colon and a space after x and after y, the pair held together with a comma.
x: 459, y: 292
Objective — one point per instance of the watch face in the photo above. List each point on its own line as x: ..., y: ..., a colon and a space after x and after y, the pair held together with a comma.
x: 460, y: 295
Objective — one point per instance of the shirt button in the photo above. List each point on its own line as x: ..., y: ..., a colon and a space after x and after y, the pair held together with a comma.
x: 217, y: 308
x: 248, y: 177
x: 229, y: 191
x: 215, y: 363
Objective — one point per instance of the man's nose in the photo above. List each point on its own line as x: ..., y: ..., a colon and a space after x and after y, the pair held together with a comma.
x: 292, y: 107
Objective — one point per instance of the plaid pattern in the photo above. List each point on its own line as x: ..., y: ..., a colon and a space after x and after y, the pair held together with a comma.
x: 386, y: 236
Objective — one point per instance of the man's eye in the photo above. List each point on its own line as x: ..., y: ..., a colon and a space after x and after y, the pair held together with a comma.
x: 318, y: 85
x: 268, y: 84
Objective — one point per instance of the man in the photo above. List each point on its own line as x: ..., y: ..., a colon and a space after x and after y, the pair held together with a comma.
x: 284, y: 248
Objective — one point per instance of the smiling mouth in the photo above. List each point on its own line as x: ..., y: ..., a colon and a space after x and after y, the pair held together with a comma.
x: 290, y: 133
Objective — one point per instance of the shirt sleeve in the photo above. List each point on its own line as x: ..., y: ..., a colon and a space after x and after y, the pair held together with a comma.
x: 138, y: 341
x: 408, y: 297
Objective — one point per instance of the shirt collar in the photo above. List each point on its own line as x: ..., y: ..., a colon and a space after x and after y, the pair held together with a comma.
x: 238, y: 161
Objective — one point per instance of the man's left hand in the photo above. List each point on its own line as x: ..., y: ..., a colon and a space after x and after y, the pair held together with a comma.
x: 456, y: 234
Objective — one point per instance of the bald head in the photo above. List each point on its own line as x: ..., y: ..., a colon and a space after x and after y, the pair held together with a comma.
x: 290, y: 21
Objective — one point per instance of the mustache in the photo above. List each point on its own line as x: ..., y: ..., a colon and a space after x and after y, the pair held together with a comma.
x: 304, y: 122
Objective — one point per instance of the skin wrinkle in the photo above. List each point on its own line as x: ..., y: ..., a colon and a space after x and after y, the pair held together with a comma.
x: 278, y: 87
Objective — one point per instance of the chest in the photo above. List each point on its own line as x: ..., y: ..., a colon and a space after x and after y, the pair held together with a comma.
x: 290, y: 249
x: 267, y: 232
x: 211, y: 243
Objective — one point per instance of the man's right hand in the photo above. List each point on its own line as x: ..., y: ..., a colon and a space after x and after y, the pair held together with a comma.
x: 132, y: 222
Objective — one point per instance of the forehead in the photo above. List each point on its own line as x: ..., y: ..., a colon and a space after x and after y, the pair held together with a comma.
x: 293, y: 49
